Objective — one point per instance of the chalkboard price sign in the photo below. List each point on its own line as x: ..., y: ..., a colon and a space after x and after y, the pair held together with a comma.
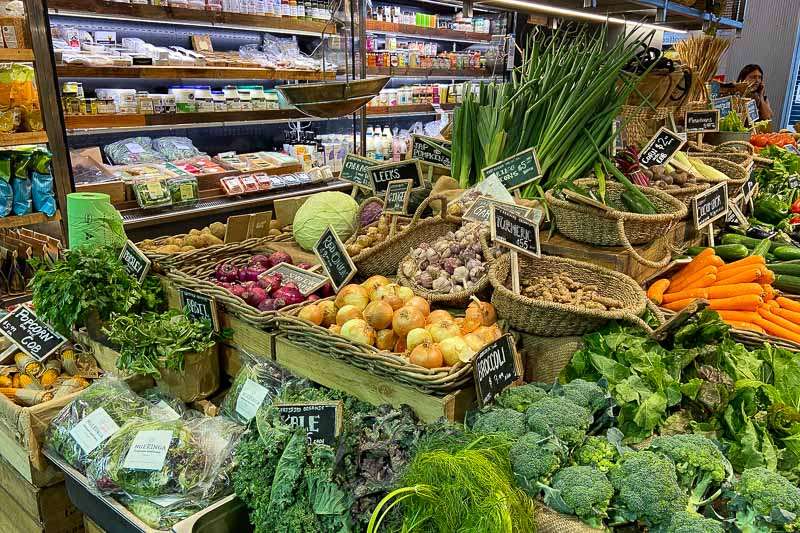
x: 661, y: 148
x: 752, y: 112
x: 135, y: 262
x: 354, y: 170
x: 516, y: 171
x: 199, y: 306
x: 32, y: 335
x: 735, y: 215
x: 495, y: 367
x: 793, y: 181
x: 724, y: 105
x: 749, y: 188
x: 381, y: 175
x: 710, y: 205
x: 481, y: 209
x: 397, y: 196
x: 792, y: 149
x: 305, y: 280
x: 331, y: 253
x: 322, y: 421
x: 430, y: 151
x: 515, y: 231
x: 702, y: 121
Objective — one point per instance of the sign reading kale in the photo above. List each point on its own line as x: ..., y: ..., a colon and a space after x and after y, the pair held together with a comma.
x: 397, y: 196
x: 724, y: 105
x: 752, y: 112
x: 322, y: 421
x: 516, y: 171
x: 430, y: 151
x: 515, y: 231
x: 306, y: 281
x: 702, y: 121
x: 331, y: 253
x: 135, y: 262
x: 661, y: 148
x: 34, y: 337
x: 381, y: 175
x: 354, y: 170
x: 199, y: 306
x: 495, y: 367
x: 481, y: 209
x: 710, y: 205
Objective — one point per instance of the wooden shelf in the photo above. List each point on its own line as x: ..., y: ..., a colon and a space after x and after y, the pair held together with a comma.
x: 16, y: 54
x: 27, y: 220
x: 430, y: 72
x: 177, y: 119
x: 155, y: 14
x: 409, y: 30
x: 210, y: 73
x: 27, y: 137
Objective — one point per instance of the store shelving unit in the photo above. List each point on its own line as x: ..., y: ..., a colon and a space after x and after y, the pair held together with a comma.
x: 197, y: 73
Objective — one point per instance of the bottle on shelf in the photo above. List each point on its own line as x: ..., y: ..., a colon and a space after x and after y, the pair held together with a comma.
x: 370, y: 143
x: 387, y: 143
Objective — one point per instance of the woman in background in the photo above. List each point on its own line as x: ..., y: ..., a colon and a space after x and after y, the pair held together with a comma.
x: 754, y: 76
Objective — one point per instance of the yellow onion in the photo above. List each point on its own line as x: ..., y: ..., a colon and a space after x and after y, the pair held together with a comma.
x: 328, y: 309
x: 400, y: 345
x: 420, y: 303
x: 489, y: 333
x: 426, y: 355
x: 417, y: 336
x: 438, y: 316
x: 379, y: 314
x: 443, y: 330
x: 473, y: 319
x: 358, y: 330
x: 456, y: 349
x: 488, y: 313
x: 348, y: 312
x: 405, y: 293
x: 389, y: 294
x: 385, y: 339
x: 312, y: 313
x: 474, y: 341
x: 375, y: 281
x: 407, y: 318
x: 336, y: 328
x: 353, y: 295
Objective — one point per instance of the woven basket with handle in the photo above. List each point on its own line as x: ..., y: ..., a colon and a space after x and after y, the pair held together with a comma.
x: 546, y: 357
x: 615, y: 227
x: 737, y: 173
x: 552, y: 319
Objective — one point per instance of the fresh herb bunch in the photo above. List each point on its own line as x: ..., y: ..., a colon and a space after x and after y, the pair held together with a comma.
x: 152, y: 341
x: 89, y: 279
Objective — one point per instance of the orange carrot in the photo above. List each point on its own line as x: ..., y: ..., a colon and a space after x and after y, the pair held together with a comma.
x: 684, y: 294
x: 769, y: 292
x: 705, y: 281
x: 766, y: 275
x: 786, y: 303
x: 745, y: 275
x: 734, y: 289
x: 680, y: 304
x: 736, y: 271
x: 778, y: 331
x: 775, y: 319
x: 747, y: 326
x: 656, y: 291
x: 737, y: 316
x: 700, y: 261
x: 792, y: 316
x: 749, y: 260
x: 689, y: 281
x: 746, y: 302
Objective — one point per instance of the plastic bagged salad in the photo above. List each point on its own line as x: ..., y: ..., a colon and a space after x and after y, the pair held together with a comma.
x: 256, y: 383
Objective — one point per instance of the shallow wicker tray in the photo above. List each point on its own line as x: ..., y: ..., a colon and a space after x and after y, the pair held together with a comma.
x: 738, y: 174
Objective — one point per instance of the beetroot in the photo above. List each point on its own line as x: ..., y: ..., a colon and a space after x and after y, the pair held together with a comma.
x: 277, y: 258
x: 270, y: 282
x: 226, y: 272
x: 260, y: 259
x: 271, y: 304
x: 256, y: 296
x: 237, y: 290
x: 304, y: 266
x: 290, y: 295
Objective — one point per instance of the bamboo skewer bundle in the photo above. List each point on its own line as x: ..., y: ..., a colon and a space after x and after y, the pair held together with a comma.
x: 702, y: 55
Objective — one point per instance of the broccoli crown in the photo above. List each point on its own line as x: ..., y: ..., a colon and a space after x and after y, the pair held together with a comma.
x: 689, y: 522
x: 560, y: 417
x: 520, y: 398
x: 534, y: 458
x: 585, y: 490
x: 766, y: 499
x: 647, y: 487
x: 597, y: 452
x: 586, y: 394
x: 500, y: 421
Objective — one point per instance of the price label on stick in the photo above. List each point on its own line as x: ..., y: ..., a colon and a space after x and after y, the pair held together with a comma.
x: 33, y: 336
x: 752, y: 112
x: 199, y: 306
x: 735, y: 215
x: 792, y: 149
x: 382, y: 175
x: 397, y: 196
x: 724, y: 105
x: 481, y: 209
x: 661, y: 148
x: 710, y: 205
x: 322, y: 421
x: 749, y: 188
x: 305, y: 280
x: 516, y: 171
x: 354, y: 170
x: 702, y: 121
x: 431, y: 151
x: 135, y: 262
x: 495, y: 367
x: 331, y: 253
x: 515, y: 231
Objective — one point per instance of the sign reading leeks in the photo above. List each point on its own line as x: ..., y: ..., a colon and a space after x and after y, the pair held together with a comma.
x: 495, y: 367
x: 381, y: 175
x: 354, y: 170
x: 516, y: 171
x: 661, y: 148
x: 331, y: 253
x: 432, y: 151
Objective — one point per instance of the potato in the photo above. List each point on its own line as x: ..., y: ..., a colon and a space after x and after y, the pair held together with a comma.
x: 274, y: 232
x: 275, y: 224
x: 198, y: 241
x: 147, y: 243
x: 217, y: 229
x: 168, y: 249
x: 188, y: 248
x: 211, y: 240
x: 194, y: 231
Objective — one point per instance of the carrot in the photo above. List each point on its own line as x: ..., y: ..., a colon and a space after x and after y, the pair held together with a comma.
x: 734, y: 289
x: 746, y: 302
x: 778, y: 331
x: 656, y: 291
x: 769, y: 292
x: 745, y: 275
x: 700, y: 261
x: 792, y: 316
x: 786, y: 303
x: 705, y: 281
x: 736, y: 271
x: 680, y: 304
x: 747, y: 261
x: 775, y: 319
x: 738, y: 316
x: 684, y: 294
x: 766, y: 276
x: 689, y: 281
x: 747, y: 326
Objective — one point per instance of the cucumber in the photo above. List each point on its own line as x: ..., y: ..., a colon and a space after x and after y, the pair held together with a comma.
x: 734, y: 238
x: 787, y: 269
x: 790, y: 284
x: 787, y: 252
x: 762, y: 248
x: 694, y: 250
x: 731, y: 252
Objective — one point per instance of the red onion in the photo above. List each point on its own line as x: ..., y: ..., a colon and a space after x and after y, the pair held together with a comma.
x: 325, y: 291
x: 238, y: 290
x: 260, y: 259
x: 304, y: 266
x: 276, y: 258
x: 270, y: 282
x: 226, y: 272
x: 312, y: 298
x: 271, y: 304
x: 256, y: 296
x: 290, y: 295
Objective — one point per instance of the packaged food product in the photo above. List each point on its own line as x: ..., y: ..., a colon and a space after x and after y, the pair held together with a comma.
x: 232, y: 185
x: 151, y: 194
x: 175, y: 148
x: 249, y: 183
x: 183, y: 191
x: 264, y: 182
x: 132, y: 150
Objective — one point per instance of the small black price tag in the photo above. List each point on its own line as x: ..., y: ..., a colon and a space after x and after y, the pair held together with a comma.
x: 431, y: 151
x: 516, y: 171
x: 793, y: 181
x: 322, y: 421
x: 381, y: 175
x: 135, y: 262
x: 661, y: 148
x: 710, y: 205
x: 702, y: 121
x: 331, y: 253
x: 735, y: 215
x: 714, y: 89
x: 481, y: 209
x: 354, y: 170
x: 514, y: 231
x: 397, y: 196
x: 33, y: 336
x: 749, y: 188
x: 199, y: 306
x: 495, y: 367
x: 753, y: 115
x: 305, y: 280
x: 724, y: 105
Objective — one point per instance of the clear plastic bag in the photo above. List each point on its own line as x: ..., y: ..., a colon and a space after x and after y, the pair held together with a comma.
x: 132, y: 150
x: 257, y: 382
x: 152, y: 193
x: 175, y: 148
x: 218, y: 437
x: 162, y: 512
x: 164, y: 405
x: 184, y: 191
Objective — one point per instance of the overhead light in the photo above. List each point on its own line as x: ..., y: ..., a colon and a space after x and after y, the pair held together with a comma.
x: 574, y: 13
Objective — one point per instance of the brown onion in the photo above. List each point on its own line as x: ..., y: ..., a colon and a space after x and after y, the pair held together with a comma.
x: 312, y: 313
x: 359, y: 331
x: 443, y: 330
x: 328, y: 309
x: 420, y: 303
x: 456, y: 349
x: 438, y: 316
x: 417, y: 336
x: 426, y: 355
x: 378, y: 314
x: 352, y: 295
x: 348, y: 312
x: 407, y: 318
x: 385, y: 339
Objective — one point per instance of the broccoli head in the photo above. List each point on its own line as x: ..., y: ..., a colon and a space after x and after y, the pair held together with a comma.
x: 580, y: 490
x: 520, y: 398
x: 597, y: 452
x: 501, y: 420
x: 586, y: 394
x: 689, y: 522
x: 534, y: 458
x: 700, y: 465
x: 647, y: 488
x: 560, y: 417
x: 765, y: 500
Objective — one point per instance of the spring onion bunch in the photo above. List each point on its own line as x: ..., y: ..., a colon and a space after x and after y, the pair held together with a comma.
x: 562, y: 100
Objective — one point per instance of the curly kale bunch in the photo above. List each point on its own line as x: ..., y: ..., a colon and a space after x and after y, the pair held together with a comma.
x: 597, y: 452
x: 764, y: 500
x: 500, y: 420
x: 520, y: 398
x: 560, y: 417
x: 534, y: 459
x: 580, y: 490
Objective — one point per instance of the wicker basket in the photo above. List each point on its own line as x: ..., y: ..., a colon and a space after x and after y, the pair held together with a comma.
x: 640, y: 123
x: 384, y: 258
x: 738, y: 174
x: 587, y: 224
x: 550, y: 319
x: 685, y: 194
x: 546, y: 357
x: 550, y: 521
x: 381, y: 363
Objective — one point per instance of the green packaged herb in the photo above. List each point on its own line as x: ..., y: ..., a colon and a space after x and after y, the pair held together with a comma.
x: 183, y: 191
x: 152, y: 193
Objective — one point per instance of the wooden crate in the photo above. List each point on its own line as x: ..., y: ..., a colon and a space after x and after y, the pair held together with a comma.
x: 90, y: 527
x: 376, y: 390
x: 29, y: 509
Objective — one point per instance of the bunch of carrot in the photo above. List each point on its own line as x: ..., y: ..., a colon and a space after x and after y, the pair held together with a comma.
x: 741, y: 292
